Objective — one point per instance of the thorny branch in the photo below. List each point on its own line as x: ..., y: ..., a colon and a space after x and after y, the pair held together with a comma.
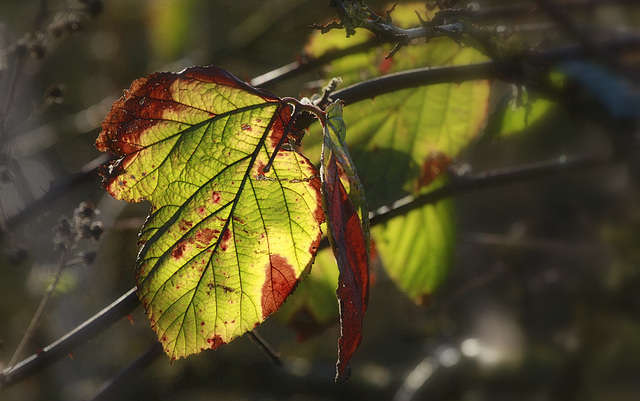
x: 358, y: 15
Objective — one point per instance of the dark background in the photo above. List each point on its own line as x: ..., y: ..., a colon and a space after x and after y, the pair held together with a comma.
x: 542, y: 300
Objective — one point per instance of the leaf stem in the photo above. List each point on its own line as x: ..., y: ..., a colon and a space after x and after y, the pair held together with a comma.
x: 283, y: 138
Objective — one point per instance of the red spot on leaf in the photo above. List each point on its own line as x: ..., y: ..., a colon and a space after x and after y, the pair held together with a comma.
x: 215, y: 342
x: 142, y: 107
x: 185, y: 225
x: 206, y: 235
x: 215, y: 197
x: 432, y: 167
x: 145, y: 103
x: 260, y: 167
x: 279, y: 282
x: 178, y: 250
x: 224, y: 243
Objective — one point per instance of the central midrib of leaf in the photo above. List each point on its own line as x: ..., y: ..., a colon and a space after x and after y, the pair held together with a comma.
x: 252, y: 156
x: 208, y: 121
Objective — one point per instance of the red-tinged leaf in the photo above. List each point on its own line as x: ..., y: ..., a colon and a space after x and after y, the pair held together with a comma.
x: 348, y: 230
x: 226, y: 241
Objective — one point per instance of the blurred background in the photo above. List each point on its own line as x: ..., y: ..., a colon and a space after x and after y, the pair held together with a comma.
x: 541, y: 301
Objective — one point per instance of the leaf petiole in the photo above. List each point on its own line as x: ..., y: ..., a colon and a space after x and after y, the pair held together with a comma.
x: 283, y: 138
x: 298, y: 107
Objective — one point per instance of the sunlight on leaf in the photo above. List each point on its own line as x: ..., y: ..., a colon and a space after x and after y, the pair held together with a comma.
x: 226, y: 242
x: 417, y: 265
x: 518, y: 117
x: 401, y: 141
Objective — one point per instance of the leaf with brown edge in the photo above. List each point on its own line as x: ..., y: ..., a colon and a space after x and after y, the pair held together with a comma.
x: 226, y: 241
x: 348, y: 230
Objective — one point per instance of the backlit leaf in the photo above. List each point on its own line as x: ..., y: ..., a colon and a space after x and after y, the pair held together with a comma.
x: 419, y: 266
x: 520, y: 115
x: 404, y: 140
x: 225, y: 242
x: 348, y: 230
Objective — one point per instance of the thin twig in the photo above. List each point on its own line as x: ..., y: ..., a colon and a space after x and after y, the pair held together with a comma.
x: 109, y: 389
x: 35, y: 320
x: 265, y: 347
x: 290, y: 70
x: 487, y: 179
x: 484, y: 14
x: 88, y: 173
x: 486, y: 70
x: 122, y: 307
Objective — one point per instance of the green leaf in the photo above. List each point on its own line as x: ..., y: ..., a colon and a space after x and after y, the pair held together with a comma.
x: 404, y: 140
x: 226, y: 241
x: 392, y: 136
x: 419, y: 261
x: 520, y: 114
x: 348, y: 230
